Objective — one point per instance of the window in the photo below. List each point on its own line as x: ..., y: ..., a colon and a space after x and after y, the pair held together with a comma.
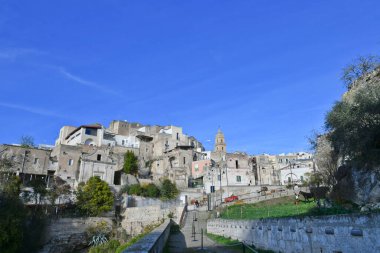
x: 122, y: 142
x: 36, y: 160
x: 196, y: 167
x: 237, y: 164
x: 99, y: 157
x: 301, y: 178
x: 71, y: 162
x: 177, y: 136
x: 91, y: 131
x: 184, y: 160
x: 289, y: 180
x: 238, y: 178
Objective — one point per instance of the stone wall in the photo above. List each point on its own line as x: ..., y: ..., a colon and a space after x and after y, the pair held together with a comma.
x: 153, y: 242
x: 137, y: 218
x: 340, y: 233
x: 69, y: 234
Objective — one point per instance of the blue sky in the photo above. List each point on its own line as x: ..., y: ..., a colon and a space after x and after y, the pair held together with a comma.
x: 266, y: 72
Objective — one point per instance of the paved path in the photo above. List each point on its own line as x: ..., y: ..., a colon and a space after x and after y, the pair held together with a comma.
x: 183, y: 241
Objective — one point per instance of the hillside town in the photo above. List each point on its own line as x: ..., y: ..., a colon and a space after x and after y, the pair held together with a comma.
x: 189, y: 126
x: 92, y: 150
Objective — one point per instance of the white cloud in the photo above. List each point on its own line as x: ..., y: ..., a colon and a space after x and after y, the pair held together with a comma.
x: 87, y: 83
x: 13, y: 53
x: 33, y: 110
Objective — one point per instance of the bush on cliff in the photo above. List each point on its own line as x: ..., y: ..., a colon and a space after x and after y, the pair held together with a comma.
x: 130, y: 163
x: 149, y: 190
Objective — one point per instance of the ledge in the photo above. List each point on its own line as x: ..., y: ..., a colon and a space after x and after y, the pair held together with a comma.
x: 152, y: 242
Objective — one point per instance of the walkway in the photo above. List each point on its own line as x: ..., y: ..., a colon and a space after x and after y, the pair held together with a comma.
x: 184, y: 241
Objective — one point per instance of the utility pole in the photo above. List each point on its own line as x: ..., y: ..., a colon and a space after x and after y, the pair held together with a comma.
x: 220, y: 185
x: 23, y: 165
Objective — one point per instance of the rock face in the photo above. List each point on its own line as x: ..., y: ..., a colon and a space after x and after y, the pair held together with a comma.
x: 360, y: 186
x: 69, y: 235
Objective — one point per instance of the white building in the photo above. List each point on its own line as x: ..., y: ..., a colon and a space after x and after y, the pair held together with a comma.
x: 294, y: 175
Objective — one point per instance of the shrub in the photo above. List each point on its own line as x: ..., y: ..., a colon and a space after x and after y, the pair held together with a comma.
x: 130, y: 163
x: 168, y: 190
x: 151, y: 191
x: 108, y: 247
x: 135, y: 189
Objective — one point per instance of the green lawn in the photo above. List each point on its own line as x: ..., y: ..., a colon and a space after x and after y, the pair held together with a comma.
x: 228, y: 242
x: 231, y: 244
x: 281, y: 207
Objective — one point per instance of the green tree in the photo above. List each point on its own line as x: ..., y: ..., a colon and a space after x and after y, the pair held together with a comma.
x: 11, y: 186
x: 12, y: 211
x: 95, y: 197
x: 168, y: 190
x: 130, y: 163
x: 354, y: 125
x: 12, y: 222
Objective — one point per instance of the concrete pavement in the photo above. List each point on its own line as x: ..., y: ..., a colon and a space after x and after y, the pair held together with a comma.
x: 185, y: 241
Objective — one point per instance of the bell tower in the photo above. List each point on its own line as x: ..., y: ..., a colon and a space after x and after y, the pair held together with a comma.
x: 220, y: 144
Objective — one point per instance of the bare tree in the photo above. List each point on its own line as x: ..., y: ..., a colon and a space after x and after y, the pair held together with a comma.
x: 359, y: 67
x: 27, y: 141
x: 326, y: 160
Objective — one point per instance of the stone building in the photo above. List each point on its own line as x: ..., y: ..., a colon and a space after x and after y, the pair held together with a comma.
x: 268, y: 167
x: 227, y: 169
x: 29, y: 162
x: 78, y: 163
x: 163, y: 151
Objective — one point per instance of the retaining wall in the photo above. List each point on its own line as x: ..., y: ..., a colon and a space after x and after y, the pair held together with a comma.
x: 339, y: 233
x: 137, y: 218
x: 69, y: 234
x: 154, y: 242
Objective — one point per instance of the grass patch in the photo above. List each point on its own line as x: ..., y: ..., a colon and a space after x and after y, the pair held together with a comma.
x: 280, y: 207
x: 228, y: 242
x: 131, y: 242
x: 221, y: 240
x: 137, y: 238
